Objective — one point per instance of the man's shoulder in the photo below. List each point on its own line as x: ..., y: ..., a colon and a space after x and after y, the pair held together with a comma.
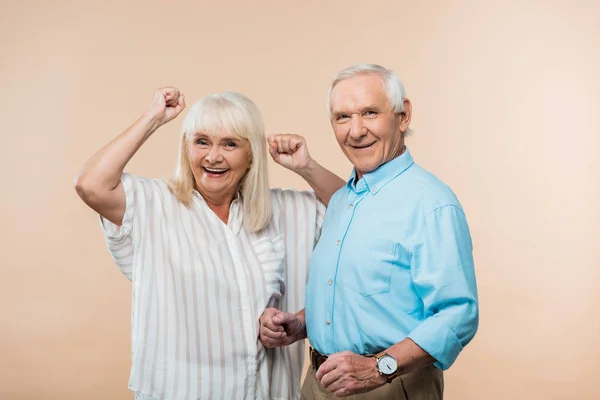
x: 430, y: 190
x: 338, y: 196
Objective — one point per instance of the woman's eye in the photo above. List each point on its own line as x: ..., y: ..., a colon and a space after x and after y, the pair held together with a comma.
x: 201, y: 142
x: 230, y: 144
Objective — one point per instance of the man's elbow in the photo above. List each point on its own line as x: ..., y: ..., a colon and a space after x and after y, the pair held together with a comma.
x: 471, y: 322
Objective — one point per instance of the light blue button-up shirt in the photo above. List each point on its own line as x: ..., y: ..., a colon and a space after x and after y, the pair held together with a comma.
x: 394, y: 261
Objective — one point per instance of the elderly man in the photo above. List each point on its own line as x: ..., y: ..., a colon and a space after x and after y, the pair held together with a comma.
x: 391, y: 294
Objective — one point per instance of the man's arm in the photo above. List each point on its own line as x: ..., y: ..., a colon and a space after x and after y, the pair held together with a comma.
x: 443, y: 275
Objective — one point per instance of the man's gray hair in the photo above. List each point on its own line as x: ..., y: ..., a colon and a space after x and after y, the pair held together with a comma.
x: 392, y: 84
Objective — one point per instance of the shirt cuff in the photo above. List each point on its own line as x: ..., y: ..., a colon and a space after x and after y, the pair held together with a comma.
x: 437, y: 339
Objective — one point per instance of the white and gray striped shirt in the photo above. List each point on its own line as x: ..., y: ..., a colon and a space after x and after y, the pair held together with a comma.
x: 199, y: 287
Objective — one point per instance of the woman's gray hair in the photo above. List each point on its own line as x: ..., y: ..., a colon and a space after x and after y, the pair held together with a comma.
x: 238, y: 115
x: 392, y: 84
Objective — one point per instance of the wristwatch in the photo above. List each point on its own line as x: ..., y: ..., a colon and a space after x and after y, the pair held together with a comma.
x: 387, y: 366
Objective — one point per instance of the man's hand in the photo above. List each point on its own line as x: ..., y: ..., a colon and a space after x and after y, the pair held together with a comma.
x: 290, y: 151
x: 347, y: 373
x: 281, y: 328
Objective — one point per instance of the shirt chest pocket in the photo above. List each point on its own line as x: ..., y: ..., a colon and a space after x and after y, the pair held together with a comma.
x: 270, y: 252
x: 369, y: 272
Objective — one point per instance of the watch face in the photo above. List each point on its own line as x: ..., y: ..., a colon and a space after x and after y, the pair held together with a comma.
x: 387, y: 364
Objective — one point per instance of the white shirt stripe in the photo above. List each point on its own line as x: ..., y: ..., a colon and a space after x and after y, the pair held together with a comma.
x: 199, y: 287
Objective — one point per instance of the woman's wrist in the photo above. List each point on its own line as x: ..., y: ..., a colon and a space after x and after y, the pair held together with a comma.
x: 150, y: 122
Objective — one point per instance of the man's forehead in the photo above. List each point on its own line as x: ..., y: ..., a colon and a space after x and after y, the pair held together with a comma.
x: 362, y: 90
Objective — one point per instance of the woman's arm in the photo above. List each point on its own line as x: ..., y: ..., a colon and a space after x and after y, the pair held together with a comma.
x: 99, y: 181
x: 291, y: 152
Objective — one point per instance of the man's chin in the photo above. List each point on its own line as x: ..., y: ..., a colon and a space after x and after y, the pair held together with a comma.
x: 366, y: 167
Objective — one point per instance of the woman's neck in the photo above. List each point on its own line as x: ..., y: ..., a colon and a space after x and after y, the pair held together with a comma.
x: 219, y: 204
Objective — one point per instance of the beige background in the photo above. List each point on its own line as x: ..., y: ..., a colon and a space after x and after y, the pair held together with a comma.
x: 505, y: 99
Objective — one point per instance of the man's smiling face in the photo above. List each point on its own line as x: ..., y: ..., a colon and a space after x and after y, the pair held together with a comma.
x: 366, y: 127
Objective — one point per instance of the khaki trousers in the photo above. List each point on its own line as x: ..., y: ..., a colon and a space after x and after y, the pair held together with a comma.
x: 426, y: 383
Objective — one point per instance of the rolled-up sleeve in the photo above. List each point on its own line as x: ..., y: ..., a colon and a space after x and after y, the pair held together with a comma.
x: 118, y: 238
x: 443, y: 274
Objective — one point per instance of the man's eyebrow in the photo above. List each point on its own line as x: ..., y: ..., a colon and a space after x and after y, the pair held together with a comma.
x: 338, y: 113
x: 371, y: 107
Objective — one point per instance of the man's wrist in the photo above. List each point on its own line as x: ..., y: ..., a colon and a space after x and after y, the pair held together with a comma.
x: 302, y: 318
x: 380, y: 378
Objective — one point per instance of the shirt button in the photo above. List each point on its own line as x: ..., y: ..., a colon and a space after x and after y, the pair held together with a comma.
x: 337, y: 243
x: 350, y: 205
x: 328, y: 322
x: 329, y: 282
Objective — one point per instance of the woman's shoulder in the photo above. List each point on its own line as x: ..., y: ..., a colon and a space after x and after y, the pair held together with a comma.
x: 280, y: 195
x: 149, y: 188
x: 294, y: 201
x: 158, y: 183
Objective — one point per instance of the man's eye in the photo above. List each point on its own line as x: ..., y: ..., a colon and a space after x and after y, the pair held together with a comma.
x: 341, y: 117
x: 370, y: 113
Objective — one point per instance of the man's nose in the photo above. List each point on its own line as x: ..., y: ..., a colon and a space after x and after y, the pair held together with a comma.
x: 357, y: 127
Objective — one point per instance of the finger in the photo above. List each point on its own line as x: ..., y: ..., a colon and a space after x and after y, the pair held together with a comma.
x: 297, y: 142
x: 172, y: 96
x: 172, y: 100
x: 337, y: 385
x: 292, y: 144
x: 180, y: 104
x: 269, y: 324
x: 269, y: 312
x: 284, y: 318
x: 331, y: 380
x: 270, y: 343
x: 340, y: 354
x: 286, y: 145
x: 273, y: 150
x: 342, y: 392
x: 325, y: 368
x: 167, y: 93
x: 159, y: 97
x: 275, y: 335
x: 279, y: 142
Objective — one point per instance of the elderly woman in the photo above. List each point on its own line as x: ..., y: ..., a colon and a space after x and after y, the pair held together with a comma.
x: 209, y: 250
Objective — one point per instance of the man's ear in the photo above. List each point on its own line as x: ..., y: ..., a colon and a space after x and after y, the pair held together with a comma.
x: 405, y: 115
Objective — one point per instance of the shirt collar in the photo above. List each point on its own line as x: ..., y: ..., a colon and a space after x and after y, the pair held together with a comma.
x: 236, y: 215
x: 377, y: 179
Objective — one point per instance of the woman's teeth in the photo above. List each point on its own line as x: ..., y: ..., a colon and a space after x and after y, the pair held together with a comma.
x: 216, y: 170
